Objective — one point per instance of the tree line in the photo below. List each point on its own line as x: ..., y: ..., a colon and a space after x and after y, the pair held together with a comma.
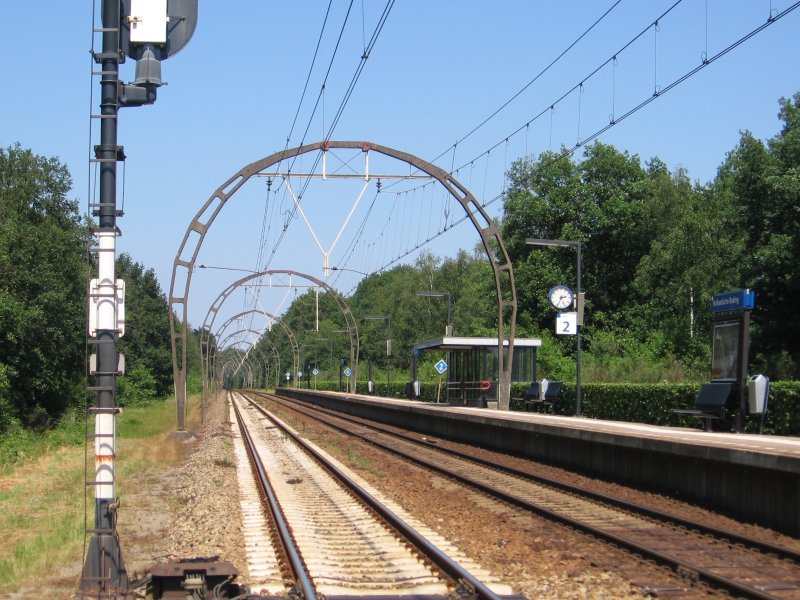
x: 656, y: 247
x: 46, y: 263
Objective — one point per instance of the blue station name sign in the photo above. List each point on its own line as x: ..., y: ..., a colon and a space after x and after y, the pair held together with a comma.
x: 736, y: 300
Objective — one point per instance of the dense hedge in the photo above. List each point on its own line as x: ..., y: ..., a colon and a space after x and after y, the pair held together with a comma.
x: 639, y: 403
x: 653, y: 404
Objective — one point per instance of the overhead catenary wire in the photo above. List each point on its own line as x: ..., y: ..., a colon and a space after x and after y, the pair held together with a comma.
x: 373, y: 40
x: 353, y: 81
x: 615, y: 120
x: 531, y: 82
x: 259, y: 265
x: 359, y: 69
x: 308, y: 76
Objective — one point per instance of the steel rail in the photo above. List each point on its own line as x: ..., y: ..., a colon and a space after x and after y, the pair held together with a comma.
x: 678, y: 565
x: 645, y: 511
x: 291, y: 551
x: 446, y: 564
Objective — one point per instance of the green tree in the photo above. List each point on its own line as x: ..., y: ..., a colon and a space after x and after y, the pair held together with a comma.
x: 146, y: 343
x: 43, y: 278
x: 599, y: 201
x: 764, y: 181
x: 694, y: 253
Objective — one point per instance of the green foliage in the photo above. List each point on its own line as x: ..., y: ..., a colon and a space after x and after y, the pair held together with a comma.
x: 553, y: 360
x: 621, y: 356
x: 43, y: 277
x: 653, y: 403
x: 137, y: 387
x: 146, y: 343
x: 763, y: 182
x: 194, y: 382
x: 7, y: 413
x: 694, y: 249
x: 783, y: 410
x: 19, y: 443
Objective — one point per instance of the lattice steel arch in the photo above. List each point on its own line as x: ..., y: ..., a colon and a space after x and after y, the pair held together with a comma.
x: 232, y: 347
x: 184, y: 263
x: 211, y: 356
x: 206, y: 351
x: 216, y: 305
x: 231, y: 362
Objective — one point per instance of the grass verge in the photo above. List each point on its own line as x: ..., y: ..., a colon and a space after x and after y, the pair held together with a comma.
x: 42, y: 502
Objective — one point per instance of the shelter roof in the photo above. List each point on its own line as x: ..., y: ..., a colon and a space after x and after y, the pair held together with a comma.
x: 471, y: 343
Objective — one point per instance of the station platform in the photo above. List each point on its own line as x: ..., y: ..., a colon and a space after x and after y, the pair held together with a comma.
x: 754, y: 478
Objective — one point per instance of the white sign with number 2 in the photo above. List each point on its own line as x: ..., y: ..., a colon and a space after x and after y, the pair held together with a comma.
x: 567, y: 323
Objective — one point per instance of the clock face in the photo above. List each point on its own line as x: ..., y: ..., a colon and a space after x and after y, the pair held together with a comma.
x: 560, y: 297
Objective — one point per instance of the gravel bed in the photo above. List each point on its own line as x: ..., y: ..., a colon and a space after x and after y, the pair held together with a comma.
x: 207, y: 524
x: 537, y: 558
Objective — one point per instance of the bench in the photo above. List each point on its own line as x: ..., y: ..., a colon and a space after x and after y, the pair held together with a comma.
x: 710, y: 403
x: 534, y: 396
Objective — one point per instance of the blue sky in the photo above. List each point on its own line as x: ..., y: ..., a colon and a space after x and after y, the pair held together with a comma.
x: 437, y: 70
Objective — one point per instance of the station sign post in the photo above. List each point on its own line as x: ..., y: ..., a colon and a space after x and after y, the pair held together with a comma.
x: 731, y: 342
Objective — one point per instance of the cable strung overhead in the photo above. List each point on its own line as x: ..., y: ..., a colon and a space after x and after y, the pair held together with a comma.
x: 354, y: 80
x: 614, y: 120
x: 531, y: 82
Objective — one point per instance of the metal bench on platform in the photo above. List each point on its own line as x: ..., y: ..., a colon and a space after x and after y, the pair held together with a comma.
x: 710, y: 403
x: 542, y: 394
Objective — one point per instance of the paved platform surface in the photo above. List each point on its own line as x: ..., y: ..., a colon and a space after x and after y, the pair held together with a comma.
x: 760, y: 444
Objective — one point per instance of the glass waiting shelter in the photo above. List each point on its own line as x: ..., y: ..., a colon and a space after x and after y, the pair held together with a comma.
x: 472, y: 367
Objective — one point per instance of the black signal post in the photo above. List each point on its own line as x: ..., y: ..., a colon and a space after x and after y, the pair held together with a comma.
x: 147, y: 38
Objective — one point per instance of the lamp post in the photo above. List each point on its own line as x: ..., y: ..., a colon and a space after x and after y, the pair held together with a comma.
x: 579, y: 307
x: 448, y: 332
x: 388, y: 320
x: 330, y: 347
x: 308, y: 366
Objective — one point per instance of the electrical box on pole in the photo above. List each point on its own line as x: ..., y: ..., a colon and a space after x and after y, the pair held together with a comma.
x: 148, y: 22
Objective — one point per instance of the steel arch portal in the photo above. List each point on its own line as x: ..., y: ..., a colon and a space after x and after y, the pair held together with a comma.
x: 490, y: 237
x: 216, y: 305
x: 209, y: 357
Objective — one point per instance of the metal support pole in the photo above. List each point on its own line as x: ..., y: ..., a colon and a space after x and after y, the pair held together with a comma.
x: 744, y: 349
x: 578, y: 390
x: 103, y: 568
x: 578, y: 306
x: 389, y: 357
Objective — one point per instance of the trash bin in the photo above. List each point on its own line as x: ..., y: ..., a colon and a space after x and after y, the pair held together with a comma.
x: 757, y: 394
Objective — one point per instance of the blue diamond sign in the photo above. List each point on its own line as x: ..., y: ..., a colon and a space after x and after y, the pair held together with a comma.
x: 315, y: 372
x: 441, y: 366
x: 348, y: 371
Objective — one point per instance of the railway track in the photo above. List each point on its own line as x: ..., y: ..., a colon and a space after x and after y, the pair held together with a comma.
x: 326, y: 535
x: 739, y: 565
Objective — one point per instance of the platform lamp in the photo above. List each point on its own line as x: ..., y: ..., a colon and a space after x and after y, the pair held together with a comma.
x: 579, y: 307
x: 341, y: 362
x: 388, y: 320
x: 330, y: 348
x: 448, y: 332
